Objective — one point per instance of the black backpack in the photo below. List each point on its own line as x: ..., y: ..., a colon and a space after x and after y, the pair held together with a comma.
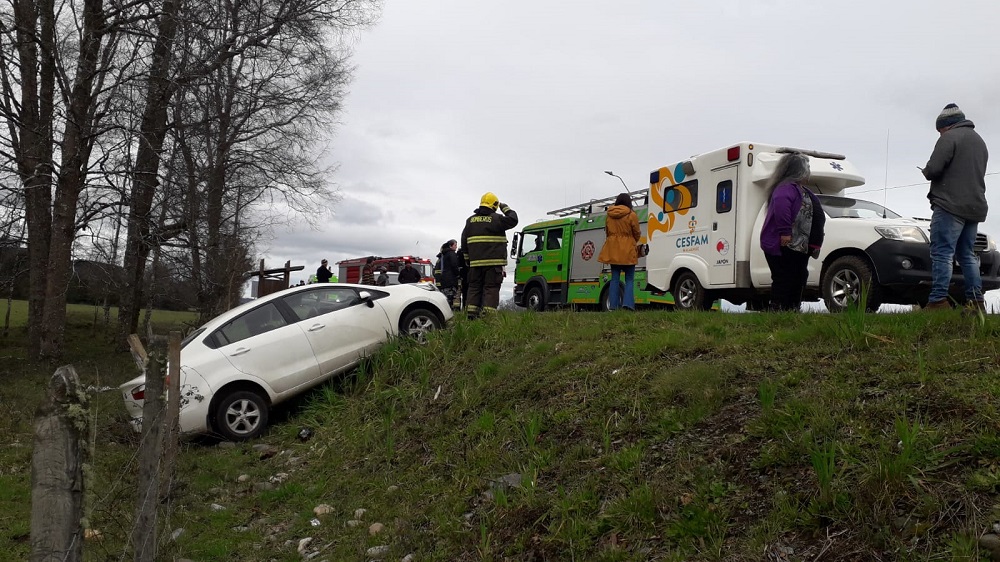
x: 816, y: 233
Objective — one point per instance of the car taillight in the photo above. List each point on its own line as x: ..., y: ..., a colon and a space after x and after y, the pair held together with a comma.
x: 139, y: 392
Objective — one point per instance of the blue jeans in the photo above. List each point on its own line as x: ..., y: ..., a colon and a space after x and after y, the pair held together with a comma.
x: 615, y: 300
x: 953, y: 238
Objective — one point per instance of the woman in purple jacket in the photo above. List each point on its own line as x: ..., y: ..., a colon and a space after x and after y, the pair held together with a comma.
x: 785, y: 235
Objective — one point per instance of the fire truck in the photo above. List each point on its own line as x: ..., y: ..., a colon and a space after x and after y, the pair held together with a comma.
x: 557, y: 259
x: 350, y: 270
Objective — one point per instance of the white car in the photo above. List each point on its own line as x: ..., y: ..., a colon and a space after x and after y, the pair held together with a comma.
x: 243, y: 362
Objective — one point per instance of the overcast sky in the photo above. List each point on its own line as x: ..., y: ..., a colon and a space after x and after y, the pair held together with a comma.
x: 533, y: 100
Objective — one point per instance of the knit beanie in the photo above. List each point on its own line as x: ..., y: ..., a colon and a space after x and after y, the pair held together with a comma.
x: 950, y: 115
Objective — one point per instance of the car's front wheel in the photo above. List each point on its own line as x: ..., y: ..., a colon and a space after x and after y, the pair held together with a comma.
x: 418, y: 323
x: 241, y: 415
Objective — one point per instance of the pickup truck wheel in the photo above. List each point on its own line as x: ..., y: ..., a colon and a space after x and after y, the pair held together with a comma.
x: 534, y: 299
x: 845, y: 280
x: 689, y: 294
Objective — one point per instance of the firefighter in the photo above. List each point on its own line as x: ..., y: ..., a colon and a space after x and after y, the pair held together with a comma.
x: 484, y: 240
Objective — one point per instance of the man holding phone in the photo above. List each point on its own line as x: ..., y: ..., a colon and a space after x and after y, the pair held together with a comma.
x: 957, y: 172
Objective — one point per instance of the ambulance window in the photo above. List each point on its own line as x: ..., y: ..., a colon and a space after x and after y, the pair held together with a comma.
x: 681, y: 196
x: 724, y: 197
x: 554, y: 239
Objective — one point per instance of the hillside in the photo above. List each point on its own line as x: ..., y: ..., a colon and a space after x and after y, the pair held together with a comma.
x: 587, y: 436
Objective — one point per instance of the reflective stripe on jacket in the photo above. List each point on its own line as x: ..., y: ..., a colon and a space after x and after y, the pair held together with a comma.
x: 484, y: 238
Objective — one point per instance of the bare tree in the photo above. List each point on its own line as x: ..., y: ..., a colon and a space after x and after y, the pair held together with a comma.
x: 28, y: 82
x: 250, y: 111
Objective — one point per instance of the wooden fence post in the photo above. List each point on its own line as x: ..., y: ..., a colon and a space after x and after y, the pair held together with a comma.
x: 57, y: 470
x: 171, y: 443
x: 144, y: 538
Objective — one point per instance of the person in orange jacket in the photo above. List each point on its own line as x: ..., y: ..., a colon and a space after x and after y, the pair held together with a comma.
x: 619, y: 251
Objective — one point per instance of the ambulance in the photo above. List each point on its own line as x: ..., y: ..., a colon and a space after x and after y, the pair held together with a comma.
x: 703, y: 229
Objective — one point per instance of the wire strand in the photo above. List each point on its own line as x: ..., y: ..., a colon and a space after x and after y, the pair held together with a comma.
x: 907, y: 185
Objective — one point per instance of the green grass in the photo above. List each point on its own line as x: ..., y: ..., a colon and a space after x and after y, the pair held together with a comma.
x: 567, y: 435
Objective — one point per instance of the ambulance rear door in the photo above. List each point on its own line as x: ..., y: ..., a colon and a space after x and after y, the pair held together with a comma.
x: 720, y: 212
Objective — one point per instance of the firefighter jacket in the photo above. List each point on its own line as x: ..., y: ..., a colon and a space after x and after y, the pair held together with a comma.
x: 484, y: 238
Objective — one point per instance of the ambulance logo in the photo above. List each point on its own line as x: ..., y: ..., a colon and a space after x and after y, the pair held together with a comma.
x: 587, y: 251
x: 722, y: 246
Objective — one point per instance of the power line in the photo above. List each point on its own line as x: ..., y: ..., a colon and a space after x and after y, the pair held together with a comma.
x: 907, y: 185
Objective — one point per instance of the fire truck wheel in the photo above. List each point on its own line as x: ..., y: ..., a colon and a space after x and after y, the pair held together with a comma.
x: 689, y: 294
x: 606, y: 296
x: 534, y: 299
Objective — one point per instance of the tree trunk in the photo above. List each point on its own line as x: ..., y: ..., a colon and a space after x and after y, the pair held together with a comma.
x: 34, y: 147
x: 57, y: 484
x: 159, y: 89
x: 76, y: 137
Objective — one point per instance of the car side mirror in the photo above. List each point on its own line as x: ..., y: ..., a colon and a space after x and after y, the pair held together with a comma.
x: 366, y: 298
x: 513, y: 245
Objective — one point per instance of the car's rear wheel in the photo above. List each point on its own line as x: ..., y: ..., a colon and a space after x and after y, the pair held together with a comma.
x: 418, y: 323
x: 241, y: 415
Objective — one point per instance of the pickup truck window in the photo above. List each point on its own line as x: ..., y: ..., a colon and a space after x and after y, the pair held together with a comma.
x: 847, y: 208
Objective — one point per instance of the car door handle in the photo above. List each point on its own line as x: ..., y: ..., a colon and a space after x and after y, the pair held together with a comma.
x: 316, y: 327
x: 240, y: 351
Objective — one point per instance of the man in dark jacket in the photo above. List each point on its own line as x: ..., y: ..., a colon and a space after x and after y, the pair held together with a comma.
x: 324, y: 273
x: 484, y: 240
x: 408, y: 274
x: 447, y: 272
x: 957, y: 172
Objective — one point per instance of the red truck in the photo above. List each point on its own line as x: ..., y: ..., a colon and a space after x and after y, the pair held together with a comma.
x: 350, y: 270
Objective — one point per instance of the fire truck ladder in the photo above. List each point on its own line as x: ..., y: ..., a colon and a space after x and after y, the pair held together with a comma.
x: 639, y: 197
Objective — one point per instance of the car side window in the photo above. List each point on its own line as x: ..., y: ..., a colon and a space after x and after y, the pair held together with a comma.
x: 317, y: 302
x: 258, y: 321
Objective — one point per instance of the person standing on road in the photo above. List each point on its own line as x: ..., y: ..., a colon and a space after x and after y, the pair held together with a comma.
x: 368, y: 272
x: 621, y: 229
x: 484, y: 240
x: 957, y: 172
x: 448, y: 272
x: 383, y: 277
x: 324, y: 273
x: 792, y: 231
x: 408, y: 274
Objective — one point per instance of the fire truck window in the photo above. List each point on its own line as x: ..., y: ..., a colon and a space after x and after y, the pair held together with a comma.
x: 538, y: 243
x: 554, y: 241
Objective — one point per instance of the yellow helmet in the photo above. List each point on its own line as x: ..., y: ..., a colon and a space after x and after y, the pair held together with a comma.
x: 489, y: 200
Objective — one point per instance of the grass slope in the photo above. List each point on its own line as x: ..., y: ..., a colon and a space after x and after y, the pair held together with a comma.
x: 584, y: 436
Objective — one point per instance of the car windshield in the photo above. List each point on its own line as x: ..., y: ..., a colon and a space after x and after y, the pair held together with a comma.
x: 847, y: 208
